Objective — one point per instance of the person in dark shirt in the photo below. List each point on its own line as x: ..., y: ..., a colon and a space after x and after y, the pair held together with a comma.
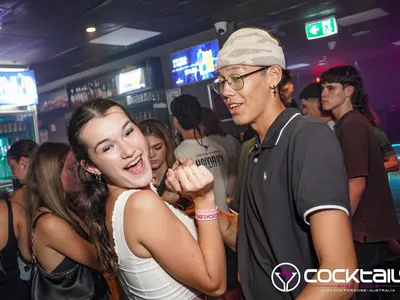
x: 372, y: 206
x: 389, y: 156
x: 293, y: 214
x: 310, y: 98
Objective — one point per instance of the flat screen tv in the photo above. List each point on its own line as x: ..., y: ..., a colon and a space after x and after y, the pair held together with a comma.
x: 18, y: 88
x: 132, y: 81
x: 194, y: 64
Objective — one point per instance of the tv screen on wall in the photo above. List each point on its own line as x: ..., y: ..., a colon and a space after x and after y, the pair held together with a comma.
x: 18, y: 88
x: 195, y: 63
x: 132, y: 81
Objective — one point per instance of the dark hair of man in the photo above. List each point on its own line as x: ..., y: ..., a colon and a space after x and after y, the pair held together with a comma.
x: 349, y: 76
x: 311, y: 91
x: 187, y: 110
x: 211, y: 122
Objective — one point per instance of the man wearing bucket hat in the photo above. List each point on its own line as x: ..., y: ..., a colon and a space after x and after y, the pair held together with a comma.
x: 293, y: 214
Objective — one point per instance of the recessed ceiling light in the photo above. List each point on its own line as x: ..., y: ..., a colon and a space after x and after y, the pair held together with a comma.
x: 397, y: 43
x: 124, y: 37
x: 91, y: 29
x: 297, y: 66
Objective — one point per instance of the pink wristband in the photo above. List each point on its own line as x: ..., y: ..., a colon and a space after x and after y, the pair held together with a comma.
x: 207, y: 214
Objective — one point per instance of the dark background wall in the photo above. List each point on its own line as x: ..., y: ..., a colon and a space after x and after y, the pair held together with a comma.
x: 381, y: 77
x: 197, y: 89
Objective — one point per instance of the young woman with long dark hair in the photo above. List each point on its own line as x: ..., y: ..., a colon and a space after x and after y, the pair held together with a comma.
x: 149, y: 244
x: 18, y: 157
x: 59, y: 243
x: 161, y: 152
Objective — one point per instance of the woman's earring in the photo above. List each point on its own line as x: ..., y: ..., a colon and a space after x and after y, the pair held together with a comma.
x: 274, y: 89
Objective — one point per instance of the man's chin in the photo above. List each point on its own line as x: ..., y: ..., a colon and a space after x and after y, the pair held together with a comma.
x: 240, y: 120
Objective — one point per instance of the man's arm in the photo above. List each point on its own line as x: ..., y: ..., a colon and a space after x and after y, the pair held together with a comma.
x: 328, y: 226
x: 321, y: 192
x: 229, y: 228
x: 356, y: 187
x: 391, y: 163
x: 355, y: 143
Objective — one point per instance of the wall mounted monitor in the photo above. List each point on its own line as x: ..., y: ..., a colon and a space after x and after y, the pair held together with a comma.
x: 194, y: 64
x: 132, y: 81
x: 18, y: 88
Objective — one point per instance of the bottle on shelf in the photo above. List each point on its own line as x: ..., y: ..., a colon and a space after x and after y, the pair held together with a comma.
x: 5, y: 171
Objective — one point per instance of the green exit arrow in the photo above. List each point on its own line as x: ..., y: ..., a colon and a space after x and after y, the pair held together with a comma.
x: 321, y: 28
x: 314, y: 30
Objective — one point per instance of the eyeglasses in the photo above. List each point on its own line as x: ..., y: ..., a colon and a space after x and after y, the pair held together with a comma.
x: 235, y: 81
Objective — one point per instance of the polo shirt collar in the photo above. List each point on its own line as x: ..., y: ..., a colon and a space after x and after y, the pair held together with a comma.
x: 275, y: 131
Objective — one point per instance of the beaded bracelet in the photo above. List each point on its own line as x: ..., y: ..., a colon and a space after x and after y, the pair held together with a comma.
x: 207, y: 214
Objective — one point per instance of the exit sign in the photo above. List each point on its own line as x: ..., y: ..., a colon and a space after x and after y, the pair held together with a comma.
x: 322, y: 28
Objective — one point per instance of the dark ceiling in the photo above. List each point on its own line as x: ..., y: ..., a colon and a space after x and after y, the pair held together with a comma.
x: 50, y: 36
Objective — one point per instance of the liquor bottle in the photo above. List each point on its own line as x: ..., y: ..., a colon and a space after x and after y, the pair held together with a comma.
x: 72, y: 96
x: 109, y: 91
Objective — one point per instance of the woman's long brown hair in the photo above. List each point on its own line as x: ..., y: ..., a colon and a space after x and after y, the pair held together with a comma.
x: 91, y: 203
x: 160, y: 130
x: 43, y: 184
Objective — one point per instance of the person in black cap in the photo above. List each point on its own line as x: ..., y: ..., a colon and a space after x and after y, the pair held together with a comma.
x: 310, y: 98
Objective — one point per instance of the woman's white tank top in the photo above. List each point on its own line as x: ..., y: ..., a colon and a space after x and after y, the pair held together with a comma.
x: 144, y: 278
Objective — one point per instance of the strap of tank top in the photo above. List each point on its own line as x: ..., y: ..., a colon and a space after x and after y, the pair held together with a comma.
x: 10, y: 219
x: 34, y: 234
x: 38, y: 217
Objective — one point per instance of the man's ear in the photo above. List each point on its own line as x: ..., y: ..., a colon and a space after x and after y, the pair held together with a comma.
x: 275, y: 75
x: 89, y: 167
x: 349, y: 91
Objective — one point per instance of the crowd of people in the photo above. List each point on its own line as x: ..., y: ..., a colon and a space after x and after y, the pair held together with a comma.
x: 123, y: 212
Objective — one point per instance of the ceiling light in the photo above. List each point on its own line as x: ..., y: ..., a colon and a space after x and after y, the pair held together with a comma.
x: 397, y: 43
x: 12, y: 69
x: 362, y: 17
x: 297, y: 66
x: 91, y: 29
x: 361, y: 33
x: 124, y: 37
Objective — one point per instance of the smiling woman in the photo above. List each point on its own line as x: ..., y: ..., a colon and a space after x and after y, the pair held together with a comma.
x: 117, y: 202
